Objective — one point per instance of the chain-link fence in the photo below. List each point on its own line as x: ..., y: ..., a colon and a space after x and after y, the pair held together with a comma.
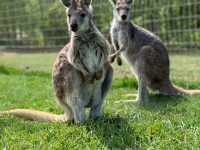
x: 42, y: 23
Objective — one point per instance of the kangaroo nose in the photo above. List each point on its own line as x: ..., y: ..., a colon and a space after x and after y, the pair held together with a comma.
x: 74, y: 27
x: 123, y: 17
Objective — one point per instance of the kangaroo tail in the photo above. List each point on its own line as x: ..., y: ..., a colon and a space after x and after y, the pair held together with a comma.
x: 173, y: 89
x: 184, y: 91
x: 34, y: 115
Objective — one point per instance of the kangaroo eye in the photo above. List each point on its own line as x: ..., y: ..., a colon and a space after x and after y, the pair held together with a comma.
x: 117, y: 9
x: 127, y: 9
x: 69, y: 15
x: 83, y: 15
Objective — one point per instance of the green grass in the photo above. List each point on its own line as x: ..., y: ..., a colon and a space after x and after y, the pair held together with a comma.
x: 167, y: 122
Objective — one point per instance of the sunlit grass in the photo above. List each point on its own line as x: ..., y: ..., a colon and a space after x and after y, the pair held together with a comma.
x: 167, y: 122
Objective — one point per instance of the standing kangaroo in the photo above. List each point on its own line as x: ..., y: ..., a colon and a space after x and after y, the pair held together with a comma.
x: 82, y: 74
x: 144, y: 51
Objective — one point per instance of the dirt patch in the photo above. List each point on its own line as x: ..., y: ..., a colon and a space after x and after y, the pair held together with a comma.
x: 8, y: 53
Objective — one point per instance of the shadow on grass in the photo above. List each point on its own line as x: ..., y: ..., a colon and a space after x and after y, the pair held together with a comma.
x: 160, y: 98
x: 114, y: 132
x: 165, y: 103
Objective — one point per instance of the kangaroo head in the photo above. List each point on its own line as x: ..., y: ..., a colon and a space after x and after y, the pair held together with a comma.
x: 78, y: 14
x: 122, y: 10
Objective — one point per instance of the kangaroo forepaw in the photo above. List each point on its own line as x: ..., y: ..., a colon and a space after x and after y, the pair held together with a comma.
x: 98, y: 74
x: 112, y: 58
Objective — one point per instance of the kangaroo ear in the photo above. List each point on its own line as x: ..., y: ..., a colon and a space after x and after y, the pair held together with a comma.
x: 66, y: 3
x: 86, y: 2
x: 113, y: 2
x: 129, y: 2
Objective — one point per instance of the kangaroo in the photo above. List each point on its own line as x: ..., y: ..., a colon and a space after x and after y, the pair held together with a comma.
x: 82, y: 73
x: 144, y: 52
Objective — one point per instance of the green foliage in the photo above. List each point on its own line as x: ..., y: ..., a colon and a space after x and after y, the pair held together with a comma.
x: 43, y: 22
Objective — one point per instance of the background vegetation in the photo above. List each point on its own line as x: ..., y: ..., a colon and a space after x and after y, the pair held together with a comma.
x: 42, y: 23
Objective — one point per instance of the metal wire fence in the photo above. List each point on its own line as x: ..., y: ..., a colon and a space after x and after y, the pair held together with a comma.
x: 33, y: 24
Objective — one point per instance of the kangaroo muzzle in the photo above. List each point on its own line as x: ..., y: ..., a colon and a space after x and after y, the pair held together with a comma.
x: 74, y: 27
x: 124, y: 17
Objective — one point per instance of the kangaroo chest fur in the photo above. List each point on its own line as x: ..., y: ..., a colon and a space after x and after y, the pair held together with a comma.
x: 89, y: 54
x: 120, y: 34
x: 87, y: 51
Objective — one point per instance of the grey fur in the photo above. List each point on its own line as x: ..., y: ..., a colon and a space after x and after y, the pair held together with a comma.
x: 144, y: 51
x: 82, y: 74
x: 86, y: 2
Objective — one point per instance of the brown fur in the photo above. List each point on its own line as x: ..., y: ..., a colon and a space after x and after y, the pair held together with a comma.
x: 81, y: 74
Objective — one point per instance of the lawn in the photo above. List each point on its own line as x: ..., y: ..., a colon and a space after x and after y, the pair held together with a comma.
x: 167, y: 122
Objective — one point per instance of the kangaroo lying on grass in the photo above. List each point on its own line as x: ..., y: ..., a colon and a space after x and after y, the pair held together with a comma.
x: 144, y: 51
x: 82, y: 74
